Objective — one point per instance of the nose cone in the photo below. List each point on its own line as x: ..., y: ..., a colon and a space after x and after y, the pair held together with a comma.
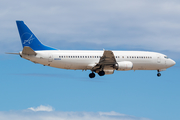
x: 171, y: 63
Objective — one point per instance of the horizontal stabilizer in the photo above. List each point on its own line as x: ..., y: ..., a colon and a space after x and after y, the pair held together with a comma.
x: 28, y: 51
x: 13, y: 53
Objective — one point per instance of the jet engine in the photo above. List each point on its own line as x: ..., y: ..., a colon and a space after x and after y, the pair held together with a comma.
x: 124, y: 66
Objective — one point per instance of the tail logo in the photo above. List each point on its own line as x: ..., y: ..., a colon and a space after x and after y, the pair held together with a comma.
x: 27, y: 38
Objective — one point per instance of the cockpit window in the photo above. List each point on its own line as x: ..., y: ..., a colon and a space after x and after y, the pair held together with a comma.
x: 166, y: 57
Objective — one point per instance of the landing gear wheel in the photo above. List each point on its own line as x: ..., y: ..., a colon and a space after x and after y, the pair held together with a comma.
x: 101, y: 73
x: 91, y: 75
x: 159, y: 74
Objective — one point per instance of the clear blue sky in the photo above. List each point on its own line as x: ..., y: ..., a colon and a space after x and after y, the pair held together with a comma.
x: 141, y: 93
x: 117, y: 25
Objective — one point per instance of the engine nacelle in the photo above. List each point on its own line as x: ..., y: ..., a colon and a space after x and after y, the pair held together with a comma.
x: 124, y: 66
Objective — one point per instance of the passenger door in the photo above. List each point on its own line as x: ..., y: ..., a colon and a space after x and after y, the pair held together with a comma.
x: 50, y: 59
x: 158, y: 59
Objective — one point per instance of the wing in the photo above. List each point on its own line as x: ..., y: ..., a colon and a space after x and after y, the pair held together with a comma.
x: 107, y: 60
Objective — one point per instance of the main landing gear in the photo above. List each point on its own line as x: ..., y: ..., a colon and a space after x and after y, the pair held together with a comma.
x: 92, y: 75
x: 158, y: 74
x: 101, y: 73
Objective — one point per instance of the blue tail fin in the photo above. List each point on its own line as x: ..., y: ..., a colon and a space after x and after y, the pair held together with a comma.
x: 29, y: 39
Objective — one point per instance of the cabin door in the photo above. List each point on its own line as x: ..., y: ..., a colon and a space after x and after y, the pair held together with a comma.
x: 50, y: 59
x: 158, y: 59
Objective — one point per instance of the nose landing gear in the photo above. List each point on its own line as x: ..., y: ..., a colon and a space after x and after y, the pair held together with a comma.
x: 158, y: 74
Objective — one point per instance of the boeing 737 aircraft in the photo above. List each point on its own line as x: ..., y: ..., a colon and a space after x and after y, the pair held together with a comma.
x: 101, y: 62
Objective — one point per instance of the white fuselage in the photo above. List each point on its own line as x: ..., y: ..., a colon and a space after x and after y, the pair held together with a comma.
x: 85, y: 60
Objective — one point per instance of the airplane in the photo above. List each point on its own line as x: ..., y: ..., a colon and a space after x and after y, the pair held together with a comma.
x: 102, y: 62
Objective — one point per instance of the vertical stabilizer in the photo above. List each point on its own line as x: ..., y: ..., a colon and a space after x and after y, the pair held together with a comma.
x: 29, y: 39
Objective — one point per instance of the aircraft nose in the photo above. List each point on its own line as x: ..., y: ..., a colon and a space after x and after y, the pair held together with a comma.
x: 172, y: 63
